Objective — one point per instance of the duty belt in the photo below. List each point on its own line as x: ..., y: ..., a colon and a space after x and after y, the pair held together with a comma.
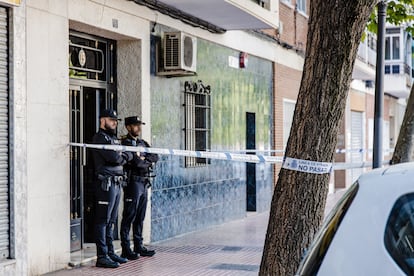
x: 117, y: 179
x: 108, y: 180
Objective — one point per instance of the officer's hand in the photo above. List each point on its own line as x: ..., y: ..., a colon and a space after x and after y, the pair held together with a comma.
x: 127, y: 156
x: 142, y: 157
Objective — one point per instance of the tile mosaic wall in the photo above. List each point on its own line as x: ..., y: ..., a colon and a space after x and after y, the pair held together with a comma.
x: 188, y: 199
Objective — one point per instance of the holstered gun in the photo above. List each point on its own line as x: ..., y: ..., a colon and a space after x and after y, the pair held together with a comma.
x: 124, y: 181
x: 148, y: 183
x: 106, y: 182
x: 150, y: 177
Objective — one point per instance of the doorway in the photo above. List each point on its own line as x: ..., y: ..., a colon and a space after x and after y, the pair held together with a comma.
x: 91, y: 89
x: 251, y: 167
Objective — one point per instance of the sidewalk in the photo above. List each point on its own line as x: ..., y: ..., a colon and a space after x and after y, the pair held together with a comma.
x: 233, y: 248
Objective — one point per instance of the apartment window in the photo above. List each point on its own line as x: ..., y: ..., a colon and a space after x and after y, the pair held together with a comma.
x: 396, y: 69
x: 301, y: 4
x: 197, y: 121
x: 372, y: 42
x: 392, y: 44
x: 288, y: 111
x: 387, y: 69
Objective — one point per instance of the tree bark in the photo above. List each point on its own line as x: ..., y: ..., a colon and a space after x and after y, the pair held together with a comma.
x: 334, y: 33
x: 403, y: 151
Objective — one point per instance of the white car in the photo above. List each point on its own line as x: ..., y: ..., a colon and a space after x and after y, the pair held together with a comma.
x: 371, y: 229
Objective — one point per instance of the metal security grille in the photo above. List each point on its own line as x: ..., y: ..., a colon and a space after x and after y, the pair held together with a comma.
x: 357, y: 142
x: 197, y: 122
x: 4, y: 136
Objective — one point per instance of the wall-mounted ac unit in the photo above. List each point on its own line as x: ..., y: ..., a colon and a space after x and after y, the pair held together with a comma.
x: 179, y: 52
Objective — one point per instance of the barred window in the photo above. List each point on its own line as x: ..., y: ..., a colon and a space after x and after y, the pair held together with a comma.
x: 197, y: 121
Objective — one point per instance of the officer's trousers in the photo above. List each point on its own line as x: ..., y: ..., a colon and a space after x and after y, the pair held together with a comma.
x: 107, y: 203
x: 135, y: 206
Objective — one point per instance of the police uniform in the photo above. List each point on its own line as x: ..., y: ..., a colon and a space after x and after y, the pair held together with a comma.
x: 135, y: 195
x: 109, y: 176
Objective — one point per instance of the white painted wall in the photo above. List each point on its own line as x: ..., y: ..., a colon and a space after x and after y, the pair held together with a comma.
x: 397, y: 85
x: 48, y: 135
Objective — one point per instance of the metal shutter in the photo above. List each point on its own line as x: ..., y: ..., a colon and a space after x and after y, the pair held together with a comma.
x: 4, y: 136
x: 357, y: 142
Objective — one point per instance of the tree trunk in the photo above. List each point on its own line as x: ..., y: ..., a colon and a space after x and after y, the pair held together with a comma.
x: 335, y: 30
x: 403, y: 151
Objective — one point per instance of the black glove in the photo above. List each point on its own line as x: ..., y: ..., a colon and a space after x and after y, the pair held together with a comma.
x: 152, y: 158
x: 128, y: 156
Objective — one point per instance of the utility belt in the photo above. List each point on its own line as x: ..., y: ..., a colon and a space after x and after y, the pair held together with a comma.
x: 108, y: 180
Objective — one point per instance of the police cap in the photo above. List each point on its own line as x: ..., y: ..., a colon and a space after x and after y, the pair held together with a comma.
x: 109, y: 113
x: 133, y: 120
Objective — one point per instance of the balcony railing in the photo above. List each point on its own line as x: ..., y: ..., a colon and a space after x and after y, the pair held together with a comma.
x: 366, y: 54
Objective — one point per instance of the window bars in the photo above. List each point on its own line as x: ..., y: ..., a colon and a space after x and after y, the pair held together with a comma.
x: 197, y: 130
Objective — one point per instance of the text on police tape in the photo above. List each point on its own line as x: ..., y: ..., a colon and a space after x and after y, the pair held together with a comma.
x: 307, y: 166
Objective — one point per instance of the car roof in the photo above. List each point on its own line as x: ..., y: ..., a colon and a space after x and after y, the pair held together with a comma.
x: 404, y: 170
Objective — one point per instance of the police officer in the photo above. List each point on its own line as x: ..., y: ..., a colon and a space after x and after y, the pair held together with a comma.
x: 109, y: 176
x: 135, y: 193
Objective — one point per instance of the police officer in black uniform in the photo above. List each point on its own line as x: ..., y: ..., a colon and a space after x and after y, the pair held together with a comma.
x: 109, y: 176
x: 135, y: 193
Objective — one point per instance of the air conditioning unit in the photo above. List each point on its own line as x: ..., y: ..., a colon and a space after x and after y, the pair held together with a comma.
x: 179, y: 52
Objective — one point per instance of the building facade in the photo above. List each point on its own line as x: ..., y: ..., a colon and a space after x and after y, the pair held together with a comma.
x: 64, y: 61
x: 220, y: 85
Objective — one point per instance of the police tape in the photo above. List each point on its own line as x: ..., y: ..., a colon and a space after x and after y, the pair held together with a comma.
x: 361, y: 150
x: 287, y: 162
x: 250, y: 158
x: 352, y: 150
x: 357, y: 165
x: 323, y: 167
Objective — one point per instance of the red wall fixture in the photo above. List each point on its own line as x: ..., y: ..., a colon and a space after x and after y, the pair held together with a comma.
x: 243, y: 60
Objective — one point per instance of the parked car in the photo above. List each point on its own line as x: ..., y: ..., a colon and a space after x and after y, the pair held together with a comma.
x: 371, y: 229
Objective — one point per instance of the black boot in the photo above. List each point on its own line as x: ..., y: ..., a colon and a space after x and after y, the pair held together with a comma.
x: 117, y: 258
x: 143, y: 251
x: 106, y: 262
x: 129, y: 254
x: 113, y: 256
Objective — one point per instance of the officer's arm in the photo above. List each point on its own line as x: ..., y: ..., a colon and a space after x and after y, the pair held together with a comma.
x: 111, y: 156
x: 152, y: 157
x: 137, y: 161
x: 141, y: 163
